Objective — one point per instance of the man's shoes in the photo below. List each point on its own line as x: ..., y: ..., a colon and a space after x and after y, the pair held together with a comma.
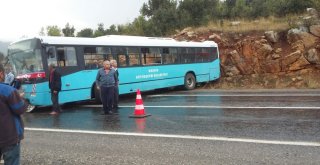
x: 54, y: 113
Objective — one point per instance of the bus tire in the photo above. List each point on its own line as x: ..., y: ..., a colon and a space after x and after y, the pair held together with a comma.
x: 189, y: 81
x: 97, y: 96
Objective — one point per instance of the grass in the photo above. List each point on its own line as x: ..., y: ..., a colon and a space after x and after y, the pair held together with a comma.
x: 262, y: 24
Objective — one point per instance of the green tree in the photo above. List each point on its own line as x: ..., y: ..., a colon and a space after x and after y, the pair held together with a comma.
x: 68, y: 31
x: 285, y: 7
x: 100, y: 31
x: 195, y: 13
x: 53, y: 30
x: 162, y: 16
x: 87, y: 32
x: 112, y: 30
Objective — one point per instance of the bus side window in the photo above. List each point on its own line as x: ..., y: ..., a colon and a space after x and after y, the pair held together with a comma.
x: 51, y: 55
x: 66, y: 56
x: 133, y: 55
x: 170, y: 56
x: 151, y: 56
x: 214, y: 54
x: 120, y: 54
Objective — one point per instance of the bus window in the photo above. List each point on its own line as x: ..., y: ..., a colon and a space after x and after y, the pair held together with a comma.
x: 151, y: 56
x: 66, y: 56
x: 202, y: 55
x: 134, y: 58
x: 121, y: 54
x: 170, y: 55
x: 94, y: 56
x: 214, y: 55
x: 187, y: 55
x: 51, y: 55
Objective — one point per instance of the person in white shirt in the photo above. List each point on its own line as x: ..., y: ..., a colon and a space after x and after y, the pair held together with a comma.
x: 9, y: 77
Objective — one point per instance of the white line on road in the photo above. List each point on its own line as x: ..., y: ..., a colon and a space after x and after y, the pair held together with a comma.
x: 235, y: 95
x: 204, y: 106
x: 213, y: 138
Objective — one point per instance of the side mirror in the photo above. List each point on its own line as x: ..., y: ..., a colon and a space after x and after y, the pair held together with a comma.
x: 50, y: 52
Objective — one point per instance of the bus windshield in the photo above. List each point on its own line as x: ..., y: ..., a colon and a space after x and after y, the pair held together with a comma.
x: 25, y: 57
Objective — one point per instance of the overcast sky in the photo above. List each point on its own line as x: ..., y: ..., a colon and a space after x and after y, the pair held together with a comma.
x: 26, y: 17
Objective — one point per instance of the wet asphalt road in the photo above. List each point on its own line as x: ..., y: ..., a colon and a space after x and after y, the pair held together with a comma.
x: 271, y: 115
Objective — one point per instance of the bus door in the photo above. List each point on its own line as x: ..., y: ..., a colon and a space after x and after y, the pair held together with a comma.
x: 65, y: 59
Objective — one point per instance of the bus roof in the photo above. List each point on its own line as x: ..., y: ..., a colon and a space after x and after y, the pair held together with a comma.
x: 122, y: 40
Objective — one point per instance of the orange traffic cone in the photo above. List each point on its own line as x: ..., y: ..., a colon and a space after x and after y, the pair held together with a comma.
x: 139, y: 109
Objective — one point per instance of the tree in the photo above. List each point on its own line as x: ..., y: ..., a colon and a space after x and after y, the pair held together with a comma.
x: 112, y: 30
x: 195, y: 13
x: 53, y: 30
x: 42, y: 33
x: 162, y: 14
x: 100, y: 31
x: 87, y: 32
x: 68, y: 31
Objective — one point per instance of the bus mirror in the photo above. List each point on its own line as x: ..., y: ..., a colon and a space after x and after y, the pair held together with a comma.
x: 50, y: 53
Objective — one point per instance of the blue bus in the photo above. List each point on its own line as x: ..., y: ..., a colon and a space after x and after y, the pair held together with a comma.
x: 144, y: 63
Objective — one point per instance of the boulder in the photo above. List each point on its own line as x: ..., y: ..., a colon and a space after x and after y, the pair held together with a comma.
x: 272, y: 36
x: 215, y: 37
x: 315, y: 30
x: 264, y: 51
x: 299, y: 64
x: 313, y: 56
x: 308, y: 39
x: 293, y: 57
x: 235, y: 57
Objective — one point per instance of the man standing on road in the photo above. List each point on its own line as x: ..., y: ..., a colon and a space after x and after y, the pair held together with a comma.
x: 55, y: 88
x: 106, y: 79
x: 9, y: 76
x: 116, y: 87
x: 12, y: 106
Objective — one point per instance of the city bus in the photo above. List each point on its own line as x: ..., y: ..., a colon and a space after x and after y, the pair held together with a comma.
x: 144, y: 63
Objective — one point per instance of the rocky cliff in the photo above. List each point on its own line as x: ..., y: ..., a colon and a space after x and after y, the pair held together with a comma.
x: 271, y: 59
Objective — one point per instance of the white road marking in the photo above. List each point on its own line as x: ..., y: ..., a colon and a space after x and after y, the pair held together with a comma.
x: 204, y: 107
x: 212, y: 138
x: 235, y: 95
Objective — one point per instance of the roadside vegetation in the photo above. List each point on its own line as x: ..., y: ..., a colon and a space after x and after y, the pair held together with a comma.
x: 166, y: 17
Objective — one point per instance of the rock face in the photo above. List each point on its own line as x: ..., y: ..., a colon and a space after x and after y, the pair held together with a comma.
x: 265, y: 53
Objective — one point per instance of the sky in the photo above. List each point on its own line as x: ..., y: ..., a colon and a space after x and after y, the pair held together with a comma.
x: 24, y: 18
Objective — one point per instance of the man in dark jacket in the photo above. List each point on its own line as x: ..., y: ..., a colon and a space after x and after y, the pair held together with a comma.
x: 114, y: 66
x: 55, y: 88
x: 106, y: 79
x: 11, y: 125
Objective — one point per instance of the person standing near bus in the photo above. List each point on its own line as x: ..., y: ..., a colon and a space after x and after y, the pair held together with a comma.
x: 116, y: 87
x: 55, y: 88
x: 12, y: 106
x: 106, y: 79
x: 9, y: 76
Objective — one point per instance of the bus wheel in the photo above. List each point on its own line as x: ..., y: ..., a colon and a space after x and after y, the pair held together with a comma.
x: 97, y: 95
x: 189, y: 81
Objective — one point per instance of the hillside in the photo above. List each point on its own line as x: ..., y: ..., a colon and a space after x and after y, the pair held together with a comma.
x: 266, y: 59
